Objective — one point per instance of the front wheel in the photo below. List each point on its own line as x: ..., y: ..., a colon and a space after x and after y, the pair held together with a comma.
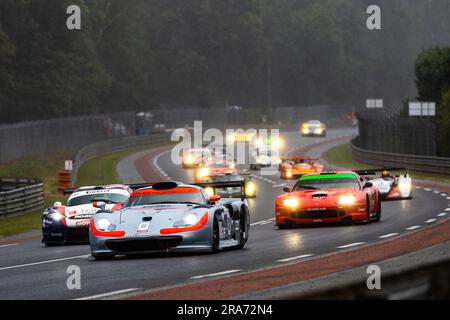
x: 216, y: 235
x: 378, y: 216
x: 244, y: 228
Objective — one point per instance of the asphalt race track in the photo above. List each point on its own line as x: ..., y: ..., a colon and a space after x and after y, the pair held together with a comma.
x: 28, y: 270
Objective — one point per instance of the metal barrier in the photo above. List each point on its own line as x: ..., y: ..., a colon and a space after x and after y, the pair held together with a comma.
x: 20, y: 195
x: 388, y: 132
x: 411, y: 162
x: 426, y: 282
x: 113, y: 145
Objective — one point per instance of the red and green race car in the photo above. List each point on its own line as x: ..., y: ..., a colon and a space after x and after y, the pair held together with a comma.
x: 335, y: 196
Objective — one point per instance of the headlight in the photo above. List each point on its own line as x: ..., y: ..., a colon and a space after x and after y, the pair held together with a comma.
x: 289, y: 174
x: 103, y: 224
x: 204, y: 172
x: 187, y: 221
x: 319, y: 131
x: 209, y: 191
x: 231, y: 137
x: 258, y: 160
x: 291, y: 203
x: 405, y: 186
x: 347, y: 200
x: 250, y: 188
x: 279, y: 143
x: 189, y: 159
x: 56, y: 216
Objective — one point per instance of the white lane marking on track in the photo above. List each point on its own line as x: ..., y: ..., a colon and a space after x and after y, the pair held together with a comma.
x: 8, y: 245
x: 350, y: 245
x: 155, y: 164
x: 216, y: 274
x: 388, y: 235
x: 443, y: 194
x: 448, y: 209
x: 279, y: 185
x: 45, y: 262
x: 435, y: 191
x: 108, y: 294
x: 448, y: 198
x: 295, y: 258
x: 413, y: 228
x: 265, y: 222
x: 442, y: 214
x: 430, y: 220
x: 427, y: 189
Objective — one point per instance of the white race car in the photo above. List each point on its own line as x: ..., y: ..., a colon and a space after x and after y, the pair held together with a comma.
x: 392, y: 187
x: 70, y: 223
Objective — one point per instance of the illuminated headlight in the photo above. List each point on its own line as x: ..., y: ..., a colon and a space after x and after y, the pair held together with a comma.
x: 204, y: 172
x: 291, y: 203
x: 305, y: 130
x: 279, y: 143
x: 231, y: 137
x: 250, y: 188
x: 209, y: 191
x: 258, y: 160
x: 104, y: 224
x: 347, y: 200
x: 189, y: 159
x: 318, y: 131
x: 56, y: 216
x: 187, y: 221
x: 289, y: 174
x: 405, y: 186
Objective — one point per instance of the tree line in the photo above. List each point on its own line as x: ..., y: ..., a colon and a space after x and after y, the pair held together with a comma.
x: 144, y: 54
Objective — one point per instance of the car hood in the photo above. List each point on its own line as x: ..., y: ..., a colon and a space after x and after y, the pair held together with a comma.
x: 163, y: 215
x: 84, y: 209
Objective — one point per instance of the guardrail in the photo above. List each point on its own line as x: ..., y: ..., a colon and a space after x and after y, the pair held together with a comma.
x: 20, y: 195
x: 411, y: 162
x: 113, y: 145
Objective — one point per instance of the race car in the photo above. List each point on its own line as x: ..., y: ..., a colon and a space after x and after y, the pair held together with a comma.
x: 241, y: 136
x: 233, y: 192
x: 264, y: 157
x: 171, y: 216
x: 391, y: 187
x: 70, y: 223
x: 194, y: 157
x: 208, y: 171
x: 313, y: 128
x: 334, y: 196
x: 295, y: 167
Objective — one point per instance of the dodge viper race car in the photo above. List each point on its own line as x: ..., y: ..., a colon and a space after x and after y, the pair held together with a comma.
x: 296, y: 167
x: 328, y: 197
x: 390, y: 187
x: 233, y: 192
x: 171, y: 216
x: 70, y: 223
x: 313, y: 128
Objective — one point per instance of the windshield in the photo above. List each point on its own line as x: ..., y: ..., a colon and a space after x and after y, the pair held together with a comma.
x: 89, y: 198
x: 146, y: 199
x: 327, y: 182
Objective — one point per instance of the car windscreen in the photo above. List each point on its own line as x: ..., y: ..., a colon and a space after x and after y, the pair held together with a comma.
x: 335, y: 181
x: 147, y: 199
x: 89, y: 198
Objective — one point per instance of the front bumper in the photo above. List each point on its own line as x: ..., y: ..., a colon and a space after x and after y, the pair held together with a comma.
x: 323, y: 215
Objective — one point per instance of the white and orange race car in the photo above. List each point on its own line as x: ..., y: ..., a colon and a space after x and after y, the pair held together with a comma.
x: 295, y: 167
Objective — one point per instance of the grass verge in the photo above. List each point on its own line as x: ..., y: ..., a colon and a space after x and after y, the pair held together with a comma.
x: 44, y: 167
x: 341, y: 156
x: 99, y: 170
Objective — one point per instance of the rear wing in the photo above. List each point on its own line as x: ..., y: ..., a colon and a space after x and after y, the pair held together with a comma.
x: 372, y: 172
x: 224, y: 184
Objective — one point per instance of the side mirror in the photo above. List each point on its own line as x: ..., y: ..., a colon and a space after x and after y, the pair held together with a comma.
x: 287, y: 189
x: 100, y: 204
x: 368, y: 185
x: 214, y: 198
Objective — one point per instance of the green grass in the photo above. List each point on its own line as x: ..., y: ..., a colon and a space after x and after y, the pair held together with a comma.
x: 341, y: 156
x: 99, y: 170
x: 43, y: 167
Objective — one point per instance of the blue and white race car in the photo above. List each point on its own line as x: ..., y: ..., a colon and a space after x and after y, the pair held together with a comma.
x: 70, y: 223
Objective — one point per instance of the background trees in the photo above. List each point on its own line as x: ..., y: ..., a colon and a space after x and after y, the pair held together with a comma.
x: 143, y: 54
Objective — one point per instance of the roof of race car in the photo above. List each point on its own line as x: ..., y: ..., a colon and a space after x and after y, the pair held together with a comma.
x: 113, y: 188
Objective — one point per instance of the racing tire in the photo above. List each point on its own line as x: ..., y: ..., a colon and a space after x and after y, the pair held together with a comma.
x: 216, y: 236
x: 378, y: 216
x: 244, y: 228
